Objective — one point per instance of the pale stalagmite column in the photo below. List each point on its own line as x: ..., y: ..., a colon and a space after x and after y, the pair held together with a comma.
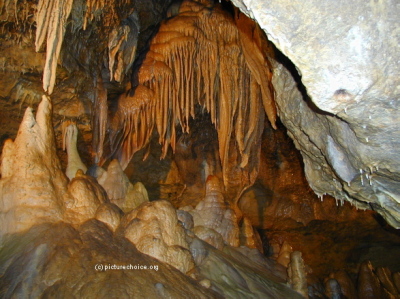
x: 33, y: 186
x: 297, y: 273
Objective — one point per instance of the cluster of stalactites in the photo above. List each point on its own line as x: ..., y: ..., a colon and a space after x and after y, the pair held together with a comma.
x: 202, y: 56
x: 51, y: 19
x: 94, y: 9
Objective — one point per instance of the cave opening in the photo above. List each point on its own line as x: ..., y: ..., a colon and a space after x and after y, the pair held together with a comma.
x: 234, y: 207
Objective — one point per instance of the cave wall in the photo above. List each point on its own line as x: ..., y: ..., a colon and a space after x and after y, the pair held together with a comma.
x: 344, y: 114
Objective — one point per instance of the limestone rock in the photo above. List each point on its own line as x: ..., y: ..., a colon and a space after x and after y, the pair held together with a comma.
x: 119, y: 189
x: 58, y: 260
x: 87, y: 195
x: 109, y: 214
x: 297, y: 273
x: 346, y: 124
x: 32, y: 186
x: 233, y: 278
x: 212, y: 212
x: 154, y: 229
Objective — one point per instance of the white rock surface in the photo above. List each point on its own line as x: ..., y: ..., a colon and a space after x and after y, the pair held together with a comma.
x: 345, y: 121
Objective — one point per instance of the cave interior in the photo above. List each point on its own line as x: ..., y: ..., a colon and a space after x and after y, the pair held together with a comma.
x: 154, y: 134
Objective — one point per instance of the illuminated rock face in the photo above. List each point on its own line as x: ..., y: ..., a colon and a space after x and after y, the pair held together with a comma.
x: 120, y: 190
x: 189, y: 64
x: 59, y: 237
x: 154, y: 229
x: 346, y: 127
x: 33, y: 188
x: 215, y: 214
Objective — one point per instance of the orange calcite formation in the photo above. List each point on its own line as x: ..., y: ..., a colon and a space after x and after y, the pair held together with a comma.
x: 206, y: 57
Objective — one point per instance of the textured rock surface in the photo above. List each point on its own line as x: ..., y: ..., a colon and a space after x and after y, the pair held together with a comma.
x: 120, y: 190
x: 33, y: 188
x: 57, y: 260
x: 68, y: 240
x: 232, y: 279
x: 216, y: 215
x: 154, y: 229
x: 347, y: 130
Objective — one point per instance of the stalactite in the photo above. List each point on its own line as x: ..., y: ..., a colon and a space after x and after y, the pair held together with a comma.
x: 51, y: 20
x: 99, y: 119
x: 201, y: 57
x: 122, y: 47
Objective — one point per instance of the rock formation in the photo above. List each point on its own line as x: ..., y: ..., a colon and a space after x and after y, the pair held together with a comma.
x: 154, y: 229
x: 215, y: 216
x: 74, y: 160
x: 119, y: 189
x: 344, y: 115
x: 219, y: 211
x: 33, y: 186
x: 71, y: 232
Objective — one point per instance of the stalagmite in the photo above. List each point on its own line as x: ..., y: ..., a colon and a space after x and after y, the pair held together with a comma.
x: 109, y: 214
x: 191, y: 63
x: 385, y: 277
x: 332, y: 289
x: 154, y: 229
x: 32, y: 185
x: 185, y: 218
x: 87, y: 197
x: 213, y: 213
x: 120, y: 190
x: 284, y: 254
x: 368, y: 283
x: 346, y: 284
x: 210, y: 236
x: 249, y: 237
x: 297, y: 273
x: 70, y: 139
